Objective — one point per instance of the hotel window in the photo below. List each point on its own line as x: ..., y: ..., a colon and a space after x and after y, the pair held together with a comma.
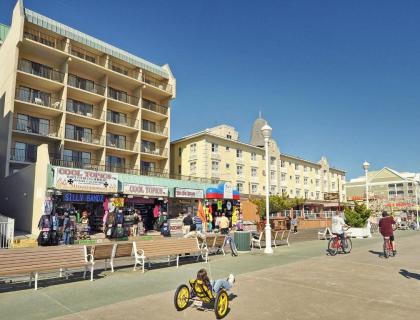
x: 239, y: 153
x: 284, y: 191
x: 305, y: 181
x: 227, y: 165
x: 32, y: 124
x: 239, y: 170
x: 215, y: 166
x: 272, y: 175
x: 283, y: 163
x: 228, y: 136
x: 273, y: 189
x: 240, y: 186
x: 297, y: 192
x: 297, y: 179
x: 77, y: 156
x: 179, y: 169
x: 254, y: 188
x: 113, y: 163
x: 305, y: 169
x: 79, y: 107
x: 317, y: 182
x: 227, y: 148
x: 193, y: 147
x: 272, y: 161
x: 291, y: 191
x: 115, y: 140
x: 253, y: 156
x: 333, y: 185
x: 306, y: 194
x: 214, y: 147
x: 296, y: 166
x: 179, y: 152
x: 283, y: 177
x: 78, y: 133
x: 253, y: 172
x: 193, y: 167
x: 317, y: 196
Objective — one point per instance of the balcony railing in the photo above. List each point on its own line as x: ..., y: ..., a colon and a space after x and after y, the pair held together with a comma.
x: 40, y: 70
x: 44, y: 39
x: 124, y: 121
x: 91, y: 111
x: 35, y: 126
x: 149, y: 105
x: 157, y: 83
x: 123, y: 97
x: 38, y: 97
x: 123, y: 144
x: 23, y: 155
x: 155, y: 151
x: 91, y: 164
x: 122, y: 69
x: 85, y: 137
x: 84, y: 54
x: 86, y: 85
x: 151, y: 127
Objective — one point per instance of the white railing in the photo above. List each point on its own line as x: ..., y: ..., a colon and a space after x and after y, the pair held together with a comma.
x: 7, y: 229
x: 306, y: 214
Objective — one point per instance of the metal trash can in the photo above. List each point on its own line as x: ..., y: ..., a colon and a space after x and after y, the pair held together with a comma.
x: 242, y: 240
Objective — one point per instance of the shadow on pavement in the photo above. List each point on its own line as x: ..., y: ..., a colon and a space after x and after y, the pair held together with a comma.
x: 380, y: 254
x: 409, y: 275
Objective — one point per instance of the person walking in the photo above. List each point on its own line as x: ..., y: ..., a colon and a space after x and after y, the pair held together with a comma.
x: 224, y: 224
x: 294, y: 224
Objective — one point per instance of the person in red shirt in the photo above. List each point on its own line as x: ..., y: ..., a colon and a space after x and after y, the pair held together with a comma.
x: 385, y: 228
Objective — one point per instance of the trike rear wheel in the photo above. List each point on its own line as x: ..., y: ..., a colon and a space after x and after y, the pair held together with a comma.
x: 182, y: 297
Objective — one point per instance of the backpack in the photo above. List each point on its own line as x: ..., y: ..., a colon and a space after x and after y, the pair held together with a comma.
x: 165, y: 230
x: 44, y: 238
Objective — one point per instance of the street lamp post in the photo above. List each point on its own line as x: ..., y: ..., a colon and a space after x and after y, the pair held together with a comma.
x: 266, y: 132
x: 417, y: 207
x: 366, y: 167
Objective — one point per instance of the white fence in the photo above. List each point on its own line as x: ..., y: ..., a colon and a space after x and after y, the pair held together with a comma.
x: 7, y: 229
x: 306, y: 214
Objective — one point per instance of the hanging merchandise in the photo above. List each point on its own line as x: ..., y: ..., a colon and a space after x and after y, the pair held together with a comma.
x: 234, y: 218
x: 48, y: 206
x: 106, y: 204
x: 118, y: 202
x: 219, y: 205
x: 156, y: 210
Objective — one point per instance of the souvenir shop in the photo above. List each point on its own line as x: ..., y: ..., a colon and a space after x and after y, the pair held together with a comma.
x: 222, y: 199
x: 150, y: 202
x: 185, y: 201
x: 76, y: 205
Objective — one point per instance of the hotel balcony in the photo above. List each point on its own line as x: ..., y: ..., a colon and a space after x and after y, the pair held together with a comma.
x: 122, y: 144
x: 215, y: 155
x: 23, y: 155
x: 153, y: 131
x: 157, y: 84
x: 121, y: 69
x: 85, y: 89
x: 154, y: 152
x: 84, y: 54
x: 44, y: 39
x: 75, y: 138
x: 45, y: 76
x: 121, y: 122
x: 25, y: 125
x: 29, y: 99
x: 119, y: 97
x: 84, y: 113
x: 153, y: 110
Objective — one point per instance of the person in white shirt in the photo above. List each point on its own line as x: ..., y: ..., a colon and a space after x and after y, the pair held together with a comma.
x: 338, y: 225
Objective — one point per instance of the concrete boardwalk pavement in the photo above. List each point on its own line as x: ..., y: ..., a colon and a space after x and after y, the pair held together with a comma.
x: 296, y: 282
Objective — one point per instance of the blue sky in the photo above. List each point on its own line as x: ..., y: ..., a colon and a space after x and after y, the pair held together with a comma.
x: 333, y: 78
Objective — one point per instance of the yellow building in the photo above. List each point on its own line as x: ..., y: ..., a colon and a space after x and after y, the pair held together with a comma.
x: 217, y: 153
x: 95, y: 105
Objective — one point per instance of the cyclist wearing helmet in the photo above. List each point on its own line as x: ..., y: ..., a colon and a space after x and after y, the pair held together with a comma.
x: 385, y: 228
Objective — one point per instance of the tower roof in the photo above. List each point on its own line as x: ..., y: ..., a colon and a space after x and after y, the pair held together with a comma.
x: 257, y: 138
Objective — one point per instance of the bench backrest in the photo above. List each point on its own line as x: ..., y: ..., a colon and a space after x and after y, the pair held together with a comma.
x: 23, y: 261
x: 124, y: 249
x: 219, y: 241
x: 102, y: 251
x: 158, y: 248
x: 210, y: 240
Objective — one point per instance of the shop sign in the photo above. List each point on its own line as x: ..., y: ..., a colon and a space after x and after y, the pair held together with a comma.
x: 331, y: 196
x: 85, y: 180
x: 83, y: 197
x: 189, y: 193
x: 227, y: 191
x: 118, y: 202
x: 145, y: 190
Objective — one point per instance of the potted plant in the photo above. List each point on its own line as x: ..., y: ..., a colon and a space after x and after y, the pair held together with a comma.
x: 357, y: 218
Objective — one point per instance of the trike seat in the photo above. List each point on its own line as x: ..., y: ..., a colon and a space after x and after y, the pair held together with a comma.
x: 201, y: 290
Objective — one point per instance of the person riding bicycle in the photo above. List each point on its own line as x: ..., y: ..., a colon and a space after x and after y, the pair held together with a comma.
x: 338, y: 225
x: 385, y: 228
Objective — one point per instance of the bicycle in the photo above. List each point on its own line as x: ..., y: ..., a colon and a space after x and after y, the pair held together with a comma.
x: 233, y: 249
x: 335, y: 244
x: 388, y: 251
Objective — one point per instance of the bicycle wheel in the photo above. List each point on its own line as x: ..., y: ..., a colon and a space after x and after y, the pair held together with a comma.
x: 349, y: 245
x: 233, y: 249
x: 332, y: 249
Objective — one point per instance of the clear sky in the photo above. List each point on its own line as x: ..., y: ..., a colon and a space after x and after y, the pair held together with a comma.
x: 333, y: 78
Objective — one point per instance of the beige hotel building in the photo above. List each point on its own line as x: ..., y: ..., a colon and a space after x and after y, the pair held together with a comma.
x: 217, y: 153
x: 94, y: 105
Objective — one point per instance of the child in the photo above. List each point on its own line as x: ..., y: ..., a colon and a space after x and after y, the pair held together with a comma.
x: 294, y: 224
x: 215, y: 286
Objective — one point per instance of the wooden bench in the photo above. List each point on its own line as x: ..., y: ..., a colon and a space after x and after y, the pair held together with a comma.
x: 122, y: 250
x: 149, y: 250
x: 278, y: 237
x: 102, y: 252
x: 215, y: 243
x: 33, y: 261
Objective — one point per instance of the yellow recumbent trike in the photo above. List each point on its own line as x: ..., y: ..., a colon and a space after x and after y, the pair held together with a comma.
x: 202, y: 297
